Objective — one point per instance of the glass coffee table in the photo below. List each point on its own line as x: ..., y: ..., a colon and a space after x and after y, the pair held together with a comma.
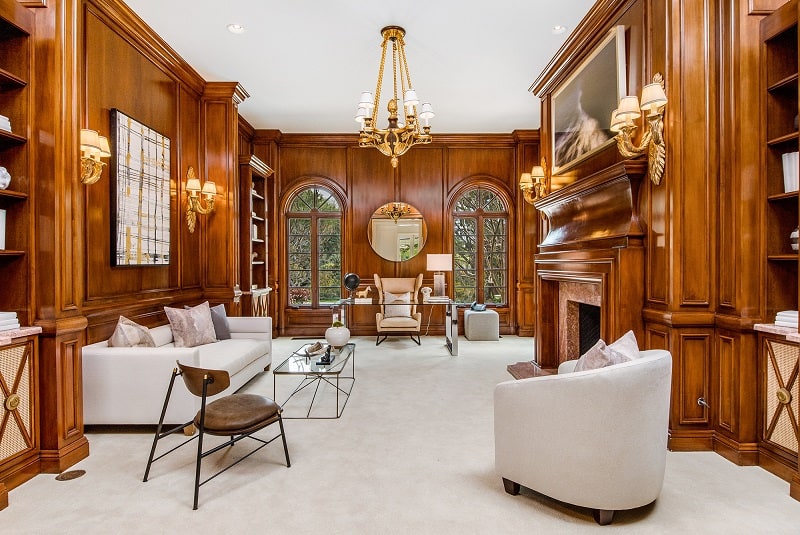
x: 306, y: 366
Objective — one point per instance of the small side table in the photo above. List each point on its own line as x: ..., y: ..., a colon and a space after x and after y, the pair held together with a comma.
x: 527, y: 369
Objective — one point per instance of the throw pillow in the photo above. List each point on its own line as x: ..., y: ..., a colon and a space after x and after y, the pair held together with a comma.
x: 599, y: 356
x: 130, y: 334
x: 219, y: 318
x: 192, y: 326
x: 627, y: 345
x: 396, y: 311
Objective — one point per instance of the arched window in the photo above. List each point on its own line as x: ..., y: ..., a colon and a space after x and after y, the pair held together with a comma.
x: 314, y: 237
x: 480, y: 248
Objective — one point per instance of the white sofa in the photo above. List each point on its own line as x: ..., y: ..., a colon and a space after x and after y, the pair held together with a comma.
x: 594, y: 438
x: 127, y: 385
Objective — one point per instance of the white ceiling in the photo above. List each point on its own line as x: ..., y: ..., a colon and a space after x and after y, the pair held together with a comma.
x: 305, y: 62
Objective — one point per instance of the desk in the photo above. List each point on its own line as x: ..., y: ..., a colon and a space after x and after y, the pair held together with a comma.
x: 450, y: 321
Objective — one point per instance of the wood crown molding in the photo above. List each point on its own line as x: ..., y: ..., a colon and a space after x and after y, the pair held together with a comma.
x: 581, y: 42
x: 146, y: 40
x: 232, y: 90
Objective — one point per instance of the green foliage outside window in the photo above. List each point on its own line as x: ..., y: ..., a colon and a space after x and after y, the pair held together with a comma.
x: 314, y: 223
x: 480, y: 248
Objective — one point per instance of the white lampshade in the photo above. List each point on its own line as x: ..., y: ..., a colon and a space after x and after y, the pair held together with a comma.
x: 427, y: 111
x: 105, y: 150
x: 89, y: 139
x: 616, y: 122
x: 410, y: 98
x: 361, y: 115
x: 629, y: 108
x: 209, y: 188
x: 440, y: 262
x: 366, y: 101
x: 193, y: 184
x: 525, y: 181
x: 537, y: 172
x: 653, y: 97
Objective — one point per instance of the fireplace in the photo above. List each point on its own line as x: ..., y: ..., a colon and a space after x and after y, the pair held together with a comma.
x: 590, y: 264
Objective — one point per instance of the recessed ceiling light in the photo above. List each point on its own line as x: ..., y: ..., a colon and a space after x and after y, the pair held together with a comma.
x: 236, y: 28
x: 558, y: 29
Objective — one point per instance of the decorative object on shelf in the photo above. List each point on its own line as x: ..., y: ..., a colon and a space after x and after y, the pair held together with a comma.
x: 654, y: 100
x: 2, y: 229
x: 534, y: 184
x: 403, y: 132
x: 791, y: 174
x: 5, y: 178
x: 439, y: 263
x: 426, y: 293
x: 351, y: 282
x: 194, y: 204
x: 93, y: 147
x: 395, y: 210
x: 5, y: 123
x: 337, y: 335
x: 793, y: 237
x: 364, y: 293
x: 140, y: 193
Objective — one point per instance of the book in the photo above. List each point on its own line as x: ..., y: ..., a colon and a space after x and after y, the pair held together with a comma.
x: 787, y: 314
x: 362, y: 300
x: 786, y: 324
x: 437, y: 299
x: 13, y: 327
x: 10, y: 321
x: 8, y: 315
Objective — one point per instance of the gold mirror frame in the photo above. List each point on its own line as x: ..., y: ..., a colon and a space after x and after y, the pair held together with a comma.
x: 397, y: 231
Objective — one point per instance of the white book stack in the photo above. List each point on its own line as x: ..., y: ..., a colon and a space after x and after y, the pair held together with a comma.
x: 786, y: 318
x: 791, y: 178
x: 8, y: 321
x: 5, y: 123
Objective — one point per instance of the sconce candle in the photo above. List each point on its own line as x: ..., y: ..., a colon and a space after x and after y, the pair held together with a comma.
x: 194, y: 204
x: 653, y: 102
x: 93, y: 147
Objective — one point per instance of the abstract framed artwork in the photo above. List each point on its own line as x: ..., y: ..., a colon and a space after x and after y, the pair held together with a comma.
x: 581, y: 107
x: 140, y: 193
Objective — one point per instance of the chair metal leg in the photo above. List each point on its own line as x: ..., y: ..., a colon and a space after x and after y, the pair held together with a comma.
x: 157, y: 436
x: 283, y: 437
x: 416, y: 339
x: 380, y: 340
x: 197, y: 469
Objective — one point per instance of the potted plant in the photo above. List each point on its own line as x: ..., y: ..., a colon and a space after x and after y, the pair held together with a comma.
x: 337, y: 334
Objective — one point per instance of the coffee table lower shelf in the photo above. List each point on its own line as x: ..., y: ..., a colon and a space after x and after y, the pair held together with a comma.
x: 319, y: 376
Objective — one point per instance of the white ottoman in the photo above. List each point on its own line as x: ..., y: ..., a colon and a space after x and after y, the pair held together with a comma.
x: 484, y: 325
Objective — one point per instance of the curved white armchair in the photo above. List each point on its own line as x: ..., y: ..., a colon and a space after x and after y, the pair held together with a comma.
x: 594, y: 438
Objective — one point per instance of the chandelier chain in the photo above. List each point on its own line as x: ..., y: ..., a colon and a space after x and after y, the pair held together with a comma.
x: 380, y: 83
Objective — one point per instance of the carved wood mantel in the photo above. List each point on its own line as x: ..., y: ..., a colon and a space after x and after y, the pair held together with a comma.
x: 592, y: 248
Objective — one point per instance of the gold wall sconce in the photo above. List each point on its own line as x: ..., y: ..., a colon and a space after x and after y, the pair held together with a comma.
x: 654, y: 100
x: 93, y: 147
x: 534, y: 184
x: 194, y: 204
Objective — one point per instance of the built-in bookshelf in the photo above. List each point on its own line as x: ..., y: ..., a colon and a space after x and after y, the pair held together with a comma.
x: 779, y: 38
x: 253, y: 176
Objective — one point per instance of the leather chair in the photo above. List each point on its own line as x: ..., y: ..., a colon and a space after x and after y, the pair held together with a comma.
x: 594, y: 438
x: 235, y: 416
x: 401, y: 317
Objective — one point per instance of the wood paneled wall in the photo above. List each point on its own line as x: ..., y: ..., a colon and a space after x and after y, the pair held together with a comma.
x: 429, y: 178
x: 703, y: 229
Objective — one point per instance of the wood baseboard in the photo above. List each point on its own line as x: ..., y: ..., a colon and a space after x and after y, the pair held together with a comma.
x: 794, y: 486
x: 691, y: 441
x: 739, y: 453
x: 56, y: 461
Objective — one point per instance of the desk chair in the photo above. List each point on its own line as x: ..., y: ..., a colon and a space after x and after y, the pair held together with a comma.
x: 400, y: 317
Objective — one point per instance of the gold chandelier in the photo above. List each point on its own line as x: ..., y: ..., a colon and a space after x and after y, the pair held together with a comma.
x: 395, y: 210
x: 403, y: 132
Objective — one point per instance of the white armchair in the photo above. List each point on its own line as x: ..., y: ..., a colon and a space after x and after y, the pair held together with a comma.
x: 594, y: 438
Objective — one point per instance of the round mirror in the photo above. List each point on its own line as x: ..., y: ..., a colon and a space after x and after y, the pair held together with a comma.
x: 397, y: 231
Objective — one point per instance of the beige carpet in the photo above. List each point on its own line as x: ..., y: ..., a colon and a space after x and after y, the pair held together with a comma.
x: 412, y: 453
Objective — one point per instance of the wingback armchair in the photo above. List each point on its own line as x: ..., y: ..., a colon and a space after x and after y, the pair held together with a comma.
x: 594, y: 438
x: 398, y: 298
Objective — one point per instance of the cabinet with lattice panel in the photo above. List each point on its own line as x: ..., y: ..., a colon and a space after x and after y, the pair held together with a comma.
x: 19, y: 436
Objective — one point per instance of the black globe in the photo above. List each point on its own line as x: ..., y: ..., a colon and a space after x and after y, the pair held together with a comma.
x: 351, y: 281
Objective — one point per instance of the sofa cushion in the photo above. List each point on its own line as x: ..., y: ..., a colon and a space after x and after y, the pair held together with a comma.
x: 191, y: 327
x: 220, y: 320
x: 231, y: 355
x: 162, y: 335
x: 128, y: 333
x: 396, y: 310
x: 624, y: 349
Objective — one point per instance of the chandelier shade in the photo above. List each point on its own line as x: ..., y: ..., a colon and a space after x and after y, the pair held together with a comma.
x: 403, y: 130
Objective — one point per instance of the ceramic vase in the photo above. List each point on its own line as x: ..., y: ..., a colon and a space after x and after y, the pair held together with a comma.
x: 5, y: 178
x: 337, y: 336
x: 793, y: 237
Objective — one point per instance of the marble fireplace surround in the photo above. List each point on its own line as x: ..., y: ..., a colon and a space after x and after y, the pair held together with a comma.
x: 593, y: 253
